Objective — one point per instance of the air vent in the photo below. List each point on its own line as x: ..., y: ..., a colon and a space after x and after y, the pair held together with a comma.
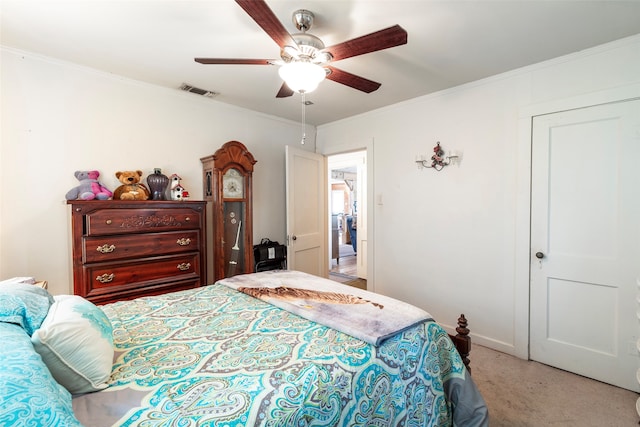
x: 188, y: 88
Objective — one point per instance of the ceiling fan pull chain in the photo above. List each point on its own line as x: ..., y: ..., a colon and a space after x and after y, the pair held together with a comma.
x: 304, y: 118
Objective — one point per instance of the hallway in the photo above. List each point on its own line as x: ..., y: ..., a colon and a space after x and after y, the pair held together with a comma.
x: 346, y: 263
x: 343, y: 270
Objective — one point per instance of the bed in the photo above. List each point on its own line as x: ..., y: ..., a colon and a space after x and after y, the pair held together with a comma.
x: 276, y: 348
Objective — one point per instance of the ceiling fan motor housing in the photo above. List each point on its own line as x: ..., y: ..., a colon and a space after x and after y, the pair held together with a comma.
x: 308, y: 45
x: 307, y: 49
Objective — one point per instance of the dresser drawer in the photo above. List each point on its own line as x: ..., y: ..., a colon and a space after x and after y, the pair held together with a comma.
x: 119, y: 221
x: 119, y: 274
x: 106, y: 295
x: 116, y: 247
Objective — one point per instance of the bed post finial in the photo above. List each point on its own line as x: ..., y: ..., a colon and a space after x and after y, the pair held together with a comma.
x: 463, y: 341
x: 462, y: 325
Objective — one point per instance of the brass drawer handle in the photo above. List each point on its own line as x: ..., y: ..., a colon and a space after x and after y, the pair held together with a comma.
x: 184, y: 241
x: 106, y: 278
x: 184, y: 266
x: 105, y: 249
x: 108, y: 222
x: 187, y: 219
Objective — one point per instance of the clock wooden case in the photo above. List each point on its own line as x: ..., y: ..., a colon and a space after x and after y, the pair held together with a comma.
x: 227, y: 185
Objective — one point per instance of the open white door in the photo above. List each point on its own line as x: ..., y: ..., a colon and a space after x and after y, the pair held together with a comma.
x: 306, y: 190
x: 585, y: 229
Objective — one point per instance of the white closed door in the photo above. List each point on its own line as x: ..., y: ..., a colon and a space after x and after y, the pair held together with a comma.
x: 585, y: 241
x: 306, y: 194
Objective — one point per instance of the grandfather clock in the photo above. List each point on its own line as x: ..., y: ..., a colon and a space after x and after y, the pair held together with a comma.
x: 227, y: 187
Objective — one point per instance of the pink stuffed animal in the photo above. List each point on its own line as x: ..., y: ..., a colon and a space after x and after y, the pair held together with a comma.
x: 89, y: 188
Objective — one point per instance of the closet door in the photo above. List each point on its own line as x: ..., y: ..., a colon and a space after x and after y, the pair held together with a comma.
x: 585, y: 234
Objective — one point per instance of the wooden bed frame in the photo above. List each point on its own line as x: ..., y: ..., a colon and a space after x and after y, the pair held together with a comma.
x: 462, y: 341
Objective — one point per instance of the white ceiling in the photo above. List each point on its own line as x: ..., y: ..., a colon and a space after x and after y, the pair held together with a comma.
x: 450, y: 42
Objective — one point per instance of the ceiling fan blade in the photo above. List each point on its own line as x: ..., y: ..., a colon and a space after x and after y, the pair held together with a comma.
x: 264, y: 17
x: 383, y: 39
x: 284, y: 91
x: 234, y: 61
x: 351, y: 80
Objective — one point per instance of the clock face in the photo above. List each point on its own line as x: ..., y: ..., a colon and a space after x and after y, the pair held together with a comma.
x: 232, y: 184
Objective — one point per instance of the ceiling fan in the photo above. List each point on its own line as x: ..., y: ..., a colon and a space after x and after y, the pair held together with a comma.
x: 304, y: 50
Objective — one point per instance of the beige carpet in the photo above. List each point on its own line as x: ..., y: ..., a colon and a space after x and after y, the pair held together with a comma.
x: 529, y: 394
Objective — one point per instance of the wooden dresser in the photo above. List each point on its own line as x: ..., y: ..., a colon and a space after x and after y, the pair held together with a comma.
x: 127, y: 249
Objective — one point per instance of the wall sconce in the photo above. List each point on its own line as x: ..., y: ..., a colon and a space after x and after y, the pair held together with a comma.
x: 439, y: 160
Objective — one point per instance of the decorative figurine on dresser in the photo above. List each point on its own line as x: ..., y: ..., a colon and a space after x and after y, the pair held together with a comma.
x: 126, y: 249
x: 158, y: 183
x: 227, y: 185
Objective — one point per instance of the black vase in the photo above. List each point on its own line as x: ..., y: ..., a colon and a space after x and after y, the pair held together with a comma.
x: 158, y: 183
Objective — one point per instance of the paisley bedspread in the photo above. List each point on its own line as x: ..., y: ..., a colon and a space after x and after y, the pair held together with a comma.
x: 213, y: 356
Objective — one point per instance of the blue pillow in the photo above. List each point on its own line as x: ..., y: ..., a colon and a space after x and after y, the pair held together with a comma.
x: 30, y: 395
x: 24, y: 305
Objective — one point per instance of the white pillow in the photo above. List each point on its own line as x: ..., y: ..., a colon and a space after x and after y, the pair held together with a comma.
x: 76, y: 343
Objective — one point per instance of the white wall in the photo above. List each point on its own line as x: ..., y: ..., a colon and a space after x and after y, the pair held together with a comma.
x: 458, y: 240
x: 58, y: 118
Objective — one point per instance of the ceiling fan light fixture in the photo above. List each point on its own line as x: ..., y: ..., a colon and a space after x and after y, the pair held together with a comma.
x: 301, y: 76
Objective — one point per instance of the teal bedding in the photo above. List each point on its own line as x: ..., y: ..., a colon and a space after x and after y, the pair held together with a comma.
x: 213, y: 356
x: 29, y: 395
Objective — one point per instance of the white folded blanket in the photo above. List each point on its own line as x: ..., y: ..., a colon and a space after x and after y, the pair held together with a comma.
x: 365, y: 315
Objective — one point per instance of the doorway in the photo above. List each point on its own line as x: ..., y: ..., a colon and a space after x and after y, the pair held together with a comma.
x: 347, y: 210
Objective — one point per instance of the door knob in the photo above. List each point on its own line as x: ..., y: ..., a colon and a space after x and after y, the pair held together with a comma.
x: 539, y: 255
x: 294, y: 238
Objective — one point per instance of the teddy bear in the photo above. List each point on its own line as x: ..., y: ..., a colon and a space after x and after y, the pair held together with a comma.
x: 89, y: 188
x: 131, y: 188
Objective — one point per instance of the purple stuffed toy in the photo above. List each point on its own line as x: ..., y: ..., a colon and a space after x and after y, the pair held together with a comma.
x: 89, y: 188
